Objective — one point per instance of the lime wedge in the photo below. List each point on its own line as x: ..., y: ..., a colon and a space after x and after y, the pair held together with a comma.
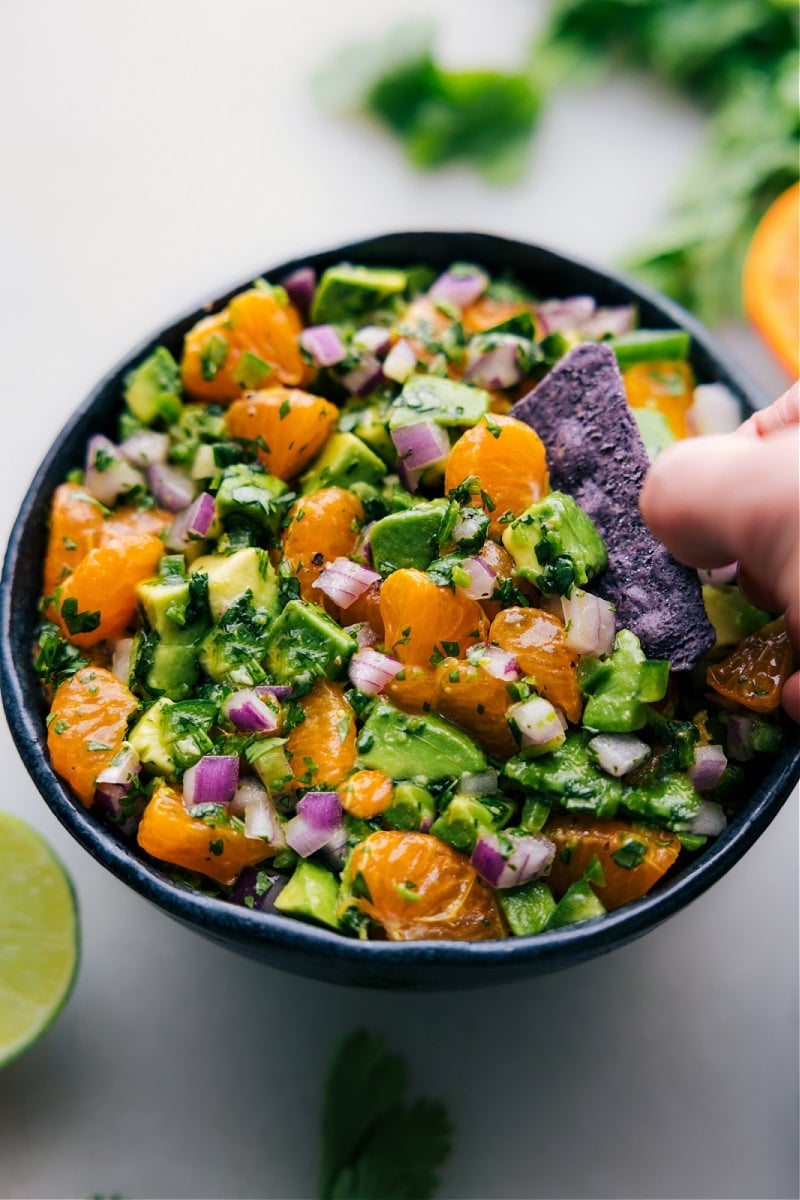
x: 39, y: 936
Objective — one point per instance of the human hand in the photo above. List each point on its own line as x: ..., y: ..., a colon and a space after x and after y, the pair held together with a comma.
x: 736, y: 498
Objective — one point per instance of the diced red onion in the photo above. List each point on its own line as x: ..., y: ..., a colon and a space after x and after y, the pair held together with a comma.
x: 468, y: 525
x: 363, y: 378
x: 146, y: 446
x: 192, y: 524
x: 364, y: 634
x: 117, y: 475
x: 123, y: 768
x: 507, y: 860
x: 363, y: 547
x: 739, y: 739
x: 343, y: 581
x: 497, y: 367
x: 459, y: 288
x: 281, y: 691
x: 249, y: 713
x: 609, y: 322
x: 498, y: 663
x: 172, y: 487
x: 539, y: 723
x: 122, y: 658
x: 419, y: 446
x: 618, y: 753
x: 564, y: 316
x: 710, y: 820
x: 714, y: 410
x: 108, y: 797
x: 589, y: 623
x: 481, y: 579
x: 370, y: 671
x: 708, y: 767
x: 300, y: 286
x: 334, y: 851
x: 719, y: 576
x: 319, y: 815
x: 260, y: 819
x: 481, y: 783
x: 324, y: 345
x: 248, y: 891
x: 212, y: 780
x: 400, y: 361
x: 374, y: 339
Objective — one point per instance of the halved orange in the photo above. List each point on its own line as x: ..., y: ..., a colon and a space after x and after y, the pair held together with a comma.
x: 771, y: 278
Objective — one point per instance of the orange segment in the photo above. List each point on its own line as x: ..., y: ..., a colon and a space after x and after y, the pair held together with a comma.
x: 487, y: 312
x: 322, y: 748
x: 321, y: 527
x: 771, y: 279
x: 366, y: 794
x: 255, y: 324
x: 424, y: 623
x: 167, y: 832
x: 754, y: 673
x: 75, y: 522
x: 665, y: 387
x: 477, y: 702
x: 507, y: 459
x: 292, y: 425
x: 98, y: 600
x: 86, y: 727
x: 417, y: 887
x: 648, y: 852
x: 414, y: 689
x: 536, y: 639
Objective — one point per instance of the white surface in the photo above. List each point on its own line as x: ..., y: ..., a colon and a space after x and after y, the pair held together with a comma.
x: 152, y: 154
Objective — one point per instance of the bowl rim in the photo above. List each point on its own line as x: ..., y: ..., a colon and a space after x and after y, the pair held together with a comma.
x: 219, y: 918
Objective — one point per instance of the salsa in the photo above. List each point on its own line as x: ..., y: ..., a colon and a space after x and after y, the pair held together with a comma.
x: 333, y: 627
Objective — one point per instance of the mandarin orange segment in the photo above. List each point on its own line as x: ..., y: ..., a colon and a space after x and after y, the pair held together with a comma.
x: 220, y: 851
x: 419, y: 888
x: 487, y: 312
x: 87, y: 725
x: 322, y: 749
x: 366, y: 794
x: 771, y: 278
x: 665, y: 387
x: 75, y: 522
x: 507, y: 461
x: 414, y: 689
x: 424, y: 623
x: 250, y: 342
x: 290, y: 425
x: 366, y: 610
x: 98, y: 600
x: 536, y: 640
x: 643, y: 855
x: 754, y: 673
x: 134, y: 524
x: 477, y: 702
x: 319, y: 528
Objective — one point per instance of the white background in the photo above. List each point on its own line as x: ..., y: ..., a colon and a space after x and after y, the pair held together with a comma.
x: 151, y: 155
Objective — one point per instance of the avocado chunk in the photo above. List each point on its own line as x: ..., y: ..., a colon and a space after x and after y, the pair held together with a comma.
x: 467, y: 817
x: 527, y: 908
x: 654, y: 430
x: 347, y: 293
x: 367, y: 420
x: 230, y: 576
x: 173, y: 665
x: 345, y: 460
x: 731, y: 613
x: 304, y: 643
x: 438, y: 399
x: 153, y: 389
x: 267, y: 757
x: 412, y: 807
x: 249, y: 501
x: 171, y: 736
x: 173, y: 601
x: 311, y: 892
x: 672, y: 801
x: 619, y: 688
x: 416, y: 747
x: 409, y: 538
x: 567, y: 777
x: 233, y: 649
x: 555, y: 545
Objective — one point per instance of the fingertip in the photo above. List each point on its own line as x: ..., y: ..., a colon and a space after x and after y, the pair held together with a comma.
x: 790, y: 696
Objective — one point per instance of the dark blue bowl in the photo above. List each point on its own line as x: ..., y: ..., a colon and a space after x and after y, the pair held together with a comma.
x: 284, y: 942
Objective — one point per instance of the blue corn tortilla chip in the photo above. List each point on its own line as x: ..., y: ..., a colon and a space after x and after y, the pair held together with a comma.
x: 595, y: 452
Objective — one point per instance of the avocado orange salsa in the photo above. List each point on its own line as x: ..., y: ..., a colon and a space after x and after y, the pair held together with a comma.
x: 356, y: 620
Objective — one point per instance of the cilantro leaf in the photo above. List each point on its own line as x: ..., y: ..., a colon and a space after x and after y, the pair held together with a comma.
x: 401, y: 1157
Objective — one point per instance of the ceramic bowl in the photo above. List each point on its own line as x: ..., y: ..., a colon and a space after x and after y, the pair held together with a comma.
x: 289, y: 944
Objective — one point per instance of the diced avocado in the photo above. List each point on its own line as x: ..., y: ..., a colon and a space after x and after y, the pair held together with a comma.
x: 197, y: 425
x: 566, y: 777
x: 230, y: 576
x: 416, y: 747
x: 268, y: 759
x: 673, y: 801
x: 441, y: 400
x: 346, y: 293
x: 409, y: 538
x: 534, y: 814
x: 250, y: 498
x: 649, y: 345
x: 170, y: 737
x: 305, y: 643
x: 234, y: 649
x: 412, y: 807
x: 466, y: 817
x: 174, y: 665
x: 555, y: 545
x: 367, y: 420
x: 148, y: 741
x: 654, y: 430
x: 173, y: 601
x: 153, y: 389
x: 345, y: 460
x: 527, y: 908
x: 620, y: 687
x: 579, y: 903
x: 731, y: 614
x: 311, y: 892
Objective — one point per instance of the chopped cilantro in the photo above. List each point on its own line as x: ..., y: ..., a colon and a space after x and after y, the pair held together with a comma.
x: 78, y: 622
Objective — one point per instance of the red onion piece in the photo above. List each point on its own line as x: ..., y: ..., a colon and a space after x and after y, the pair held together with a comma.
x: 618, y: 753
x: 609, y: 322
x: 343, y: 581
x: 212, y: 780
x: 281, y: 691
x: 122, y: 659
x: 497, y: 367
x: 540, y: 725
x: 371, y: 671
x: 739, y: 739
x: 123, y: 768
x: 363, y: 378
x: 482, y: 783
x: 334, y: 852
x: 400, y: 362
x: 460, y: 287
x: 172, y: 488
x: 324, y: 345
x: 249, y: 713
x: 564, y: 316
x: 481, y: 579
x: 496, y: 662
x: 300, y: 286
x: 108, y: 475
x: 719, y: 576
x: 364, y: 634
x: 508, y: 859
x: 374, y: 339
x: 146, y: 446
x: 708, y: 767
x: 589, y: 623
x: 419, y: 446
x: 319, y: 816
x: 710, y: 820
x: 714, y: 410
x: 260, y: 819
x: 468, y: 524
x: 258, y: 889
x: 193, y: 524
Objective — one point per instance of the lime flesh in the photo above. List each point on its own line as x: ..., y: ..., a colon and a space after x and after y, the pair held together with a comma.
x: 39, y: 936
